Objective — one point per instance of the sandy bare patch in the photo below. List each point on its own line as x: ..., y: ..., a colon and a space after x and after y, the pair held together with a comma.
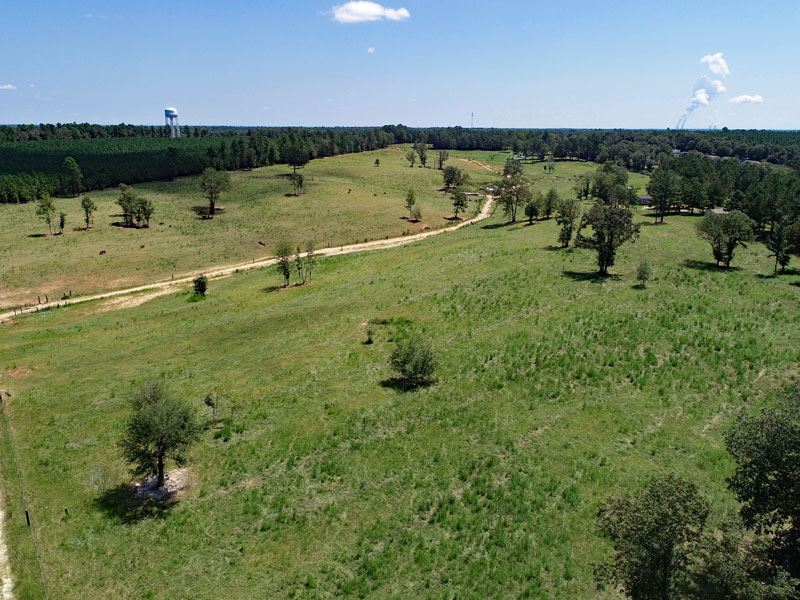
x: 175, y: 484
x: 18, y: 372
x: 6, y: 583
x: 131, y: 301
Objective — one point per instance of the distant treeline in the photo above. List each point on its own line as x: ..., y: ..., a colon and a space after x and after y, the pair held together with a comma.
x: 32, y: 156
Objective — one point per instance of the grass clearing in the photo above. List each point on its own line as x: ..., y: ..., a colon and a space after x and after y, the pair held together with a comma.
x: 555, y: 390
x: 347, y: 200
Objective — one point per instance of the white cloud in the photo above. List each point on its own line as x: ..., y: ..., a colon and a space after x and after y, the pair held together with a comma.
x: 748, y: 99
x: 7, y: 86
x: 716, y: 64
x: 701, y: 97
x: 363, y: 11
x: 370, y: 50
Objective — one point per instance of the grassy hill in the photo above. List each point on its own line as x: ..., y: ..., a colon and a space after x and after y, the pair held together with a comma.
x: 555, y: 390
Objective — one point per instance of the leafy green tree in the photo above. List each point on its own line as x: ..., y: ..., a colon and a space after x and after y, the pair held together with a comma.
x: 46, y: 211
x: 766, y: 450
x: 611, y: 226
x: 568, y: 212
x: 694, y: 194
x: 411, y: 157
x: 73, y: 177
x: 296, y: 157
x: 414, y: 360
x: 453, y: 177
x: 144, y: 210
x: 283, y: 253
x: 422, y: 151
x: 781, y: 244
x: 416, y: 214
x: 377, y: 162
x: 161, y: 427
x: 297, y: 180
x: 725, y: 232
x: 441, y: 158
x: 609, y: 185
x: 583, y: 186
x: 62, y: 221
x: 512, y: 169
x: 213, y: 183
x: 652, y: 535
x: 643, y: 273
x: 89, y: 207
x: 549, y: 202
x: 200, y: 285
x: 512, y: 193
x: 411, y: 201
x: 459, y: 203
x: 666, y: 188
x: 531, y: 210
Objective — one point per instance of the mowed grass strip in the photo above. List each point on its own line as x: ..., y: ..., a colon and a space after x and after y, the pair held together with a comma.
x: 555, y: 391
x: 347, y: 200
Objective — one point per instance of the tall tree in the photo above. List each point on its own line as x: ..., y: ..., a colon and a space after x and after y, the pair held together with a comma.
x: 295, y: 156
x: 213, y: 183
x: 611, y: 226
x: 421, y: 149
x: 441, y: 158
x: 652, y: 534
x: 726, y: 232
x: 89, y: 207
x: 781, y: 244
x: 512, y: 193
x: 161, y: 427
x: 550, y: 202
x: 73, y: 177
x: 283, y: 254
x: 453, y: 177
x: 411, y: 201
x: 411, y: 157
x: 666, y: 188
x: 459, y: 203
x: 568, y: 212
x: 46, y: 211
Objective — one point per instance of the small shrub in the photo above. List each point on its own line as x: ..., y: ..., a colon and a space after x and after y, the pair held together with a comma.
x: 643, y: 273
x: 200, y: 285
x: 414, y: 361
x: 370, y: 334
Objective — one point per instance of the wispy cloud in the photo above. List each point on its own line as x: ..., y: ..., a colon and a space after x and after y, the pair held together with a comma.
x: 748, y: 99
x: 93, y: 16
x: 716, y: 63
x: 7, y: 86
x: 370, y: 50
x: 364, y: 11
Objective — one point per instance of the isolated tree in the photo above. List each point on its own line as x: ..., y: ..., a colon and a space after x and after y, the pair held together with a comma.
x: 213, y: 183
x: 512, y: 193
x: 46, y: 211
x: 300, y: 266
x: 459, y: 203
x: 666, y: 189
x: 781, y: 243
x: 422, y: 151
x: 652, y: 534
x: 284, y: 255
x: 441, y: 158
x: 377, y: 162
x: 766, y: 450
x: 62, y: 221
x: 512, y: 168
x: 411, y: 157
x: 72, y: 178
x: 643, y: 273
x: 414, y: 360
x: 725, y: 232
x: 310, y: 260
x: 411, y: 201
x: 416, y: 214
x: 453, y: 177
x: 531, y: 210
x: 88, y: 206
x: 161, y: 427
x: 611, y: 226
x: 128, y: 201
x: 296, y: 157
x: 143, y: 212
x: 200, y: 285
x: 297, y: 180
x: 568, y: 211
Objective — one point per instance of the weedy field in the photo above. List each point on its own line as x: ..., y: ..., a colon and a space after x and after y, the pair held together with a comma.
x: 555, y: 390
x: 347, y: 199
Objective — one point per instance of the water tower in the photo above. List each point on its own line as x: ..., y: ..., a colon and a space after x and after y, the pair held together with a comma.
x: 171, y: 121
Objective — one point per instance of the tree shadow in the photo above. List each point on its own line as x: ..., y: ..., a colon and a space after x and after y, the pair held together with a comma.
x: 123, y: 504
x: 401, y: 384
x: 498, y: 225
x: 593, y: 277
x: 702, y: 265
x: 38, y: 235
x: 202, y: 211
x: 453, y: 219
x: 272, y: 288
x: 553, y: 248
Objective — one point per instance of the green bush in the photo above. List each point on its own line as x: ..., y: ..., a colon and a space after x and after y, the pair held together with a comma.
x: 414, y: 360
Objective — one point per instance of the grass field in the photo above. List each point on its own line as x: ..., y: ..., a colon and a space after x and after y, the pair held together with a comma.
x: 555, y: 390
x: 347, y: 200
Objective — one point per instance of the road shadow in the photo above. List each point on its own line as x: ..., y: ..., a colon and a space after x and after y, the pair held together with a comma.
x: 593, y: 277
x: 701, y: 265
x: 123, y: 504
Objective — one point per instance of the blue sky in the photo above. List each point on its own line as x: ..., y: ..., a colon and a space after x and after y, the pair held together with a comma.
x: 514, y: 63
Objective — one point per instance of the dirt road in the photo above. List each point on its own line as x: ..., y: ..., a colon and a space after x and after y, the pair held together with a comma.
x: 224, y: 271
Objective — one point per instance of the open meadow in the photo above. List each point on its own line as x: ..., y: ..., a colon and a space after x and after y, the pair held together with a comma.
x: 555, y: 390
x: 347, y: 199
